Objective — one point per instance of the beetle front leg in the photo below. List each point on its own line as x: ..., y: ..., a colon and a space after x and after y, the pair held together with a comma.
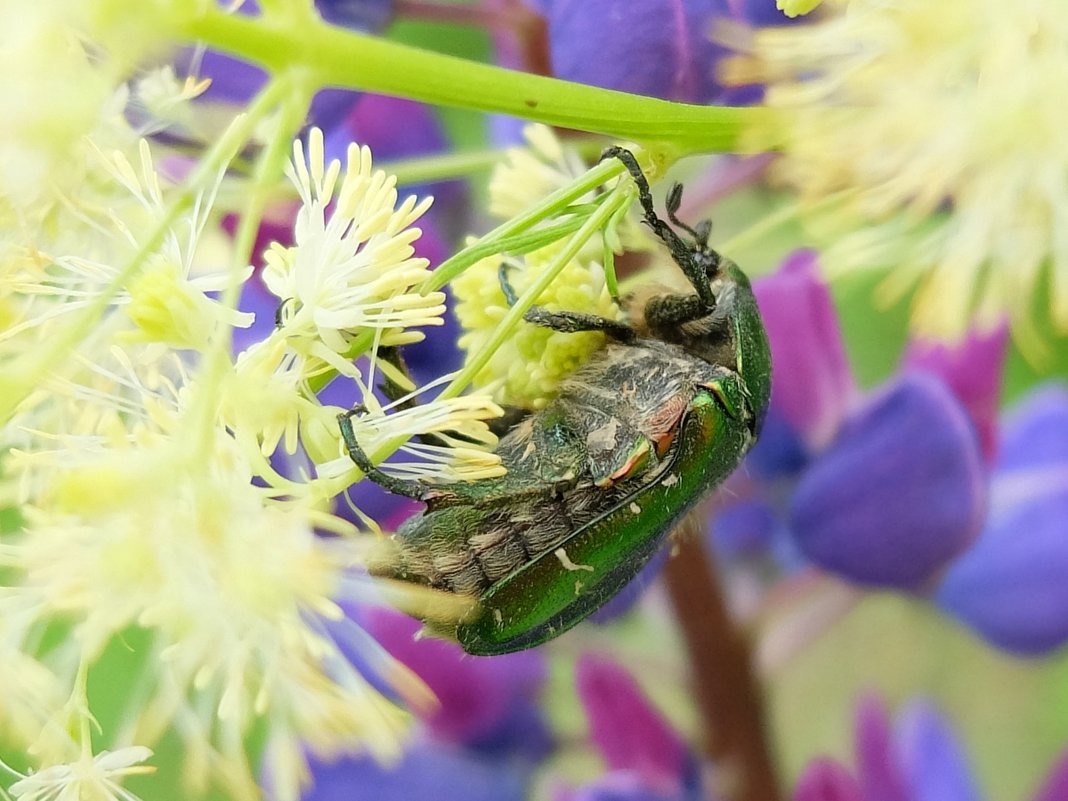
x: 568, y: 322
x: 682, y: 253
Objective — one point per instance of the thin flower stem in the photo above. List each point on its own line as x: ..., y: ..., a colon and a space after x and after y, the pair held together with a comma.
x: 347, y: 59
x: 293, y: 101
x: 596, y: 222
x: 728, y: 693
x: 550, y: 205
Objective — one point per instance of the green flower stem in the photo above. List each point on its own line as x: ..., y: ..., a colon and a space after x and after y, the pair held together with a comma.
x: 552, y: 204
x: 347, y: 59
x: 442, y: 166
x: 596, y: 222
x: 617, y: 199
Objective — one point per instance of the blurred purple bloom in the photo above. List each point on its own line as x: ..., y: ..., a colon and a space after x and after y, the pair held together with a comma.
x: 477, y: 697
x: 1055, y: 786
x: 646, y: 759
x: 628, y: 731
x: 814, y: 387
x: 623, y: 785
x: 878, y: 767
x: 899, y: 491
x: 824, y: 779
x: 360, y: 15
x: 1010, y: 587
x: 426, y: 771
x: 660, y: 48
x: 883, y: 490
x: 978, y: 390
x: 481, y: 741
x: 919, y: 759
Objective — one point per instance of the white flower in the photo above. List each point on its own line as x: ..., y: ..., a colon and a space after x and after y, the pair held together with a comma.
x: 91, y: 778
x: 166, y: 301
x: 352, y: 268
x: 528, y: 174
x: 238, y: 597
x: 466, y: 443
x: 527, y: 368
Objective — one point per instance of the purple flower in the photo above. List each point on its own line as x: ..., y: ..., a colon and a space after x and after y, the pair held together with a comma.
x: 978, y: 390
x: 814, y: 388
x: 1010, y: 587
x: 481, y: 741
x: 427, y: 770
x: 661, y: 48
x: 478, y: 698
x: 919, y: 759
x: 646, y: 759
x: 899, y: 491
x: 883, y: 490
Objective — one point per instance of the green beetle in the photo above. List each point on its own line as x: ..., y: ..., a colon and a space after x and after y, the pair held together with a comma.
x: 598, y: 478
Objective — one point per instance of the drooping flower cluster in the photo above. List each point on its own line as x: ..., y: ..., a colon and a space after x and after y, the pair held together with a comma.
x: 148, y: 512
x: 933, y: 135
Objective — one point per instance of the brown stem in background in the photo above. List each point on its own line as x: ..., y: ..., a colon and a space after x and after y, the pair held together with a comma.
x: 728, y: 694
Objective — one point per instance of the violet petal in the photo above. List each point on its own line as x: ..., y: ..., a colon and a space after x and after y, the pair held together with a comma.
x: 425, y: 771
x: 659, y: 48
x: 972, y: 370
x: 812, y: 385
x: 1010, y: 586
x: 744, y: 527
x: 626, y: 785
x: 628, y: 731
x: 361, y: 15
x: 475, y: 694
x: 933, y: 759
x: 779, y: 451
x: 898, y: 494
x: 824, y: 779
x: 1055, y: 785
x: 878, y: 766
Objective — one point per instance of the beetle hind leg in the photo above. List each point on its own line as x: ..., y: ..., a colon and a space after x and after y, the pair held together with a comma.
x: 415, y: 490
x: 568, y: 322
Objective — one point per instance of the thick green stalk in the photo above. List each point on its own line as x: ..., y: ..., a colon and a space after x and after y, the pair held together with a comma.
x: 344, y: 58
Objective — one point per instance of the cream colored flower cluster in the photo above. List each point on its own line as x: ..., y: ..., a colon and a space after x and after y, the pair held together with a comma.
x: 166, y: 505
x: 931, y: 138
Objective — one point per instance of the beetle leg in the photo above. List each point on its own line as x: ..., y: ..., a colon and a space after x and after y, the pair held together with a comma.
x: 510, y: 295
x: 416, y: 490
x: 568, y: 322
x: 681, y: 251
x: 669, y: 311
